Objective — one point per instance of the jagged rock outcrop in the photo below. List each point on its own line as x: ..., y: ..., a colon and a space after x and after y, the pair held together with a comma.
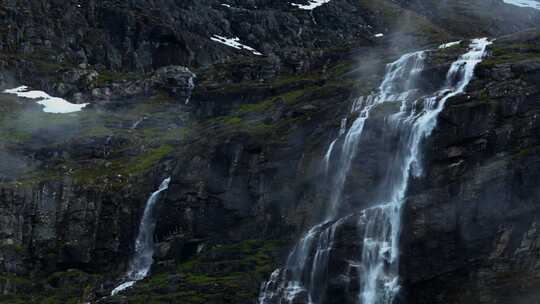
x: 471, y: 222
x: 244, y: 154
x: 177, y: 80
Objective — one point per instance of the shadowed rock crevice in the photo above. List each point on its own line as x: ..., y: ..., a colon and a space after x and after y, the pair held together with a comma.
x: 244, y: 154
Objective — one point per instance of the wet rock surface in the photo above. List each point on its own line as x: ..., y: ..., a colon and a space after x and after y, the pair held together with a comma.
x: 245, y: 153
x: 470, y: 218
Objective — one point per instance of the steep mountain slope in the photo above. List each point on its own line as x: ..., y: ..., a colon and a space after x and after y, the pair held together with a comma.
x: 242, y: 137
x: 473, y: 218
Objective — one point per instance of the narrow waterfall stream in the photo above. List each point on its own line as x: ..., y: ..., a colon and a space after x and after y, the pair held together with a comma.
x: 303, y: 278
x: 142, y: 259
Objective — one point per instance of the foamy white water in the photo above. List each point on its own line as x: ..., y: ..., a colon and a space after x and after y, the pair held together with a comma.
x: 535, y: 4
x: 378, y: 264
x: 305, y: 276
x: 142, y: 260
x: 380, y: 254
x: 312, y: 4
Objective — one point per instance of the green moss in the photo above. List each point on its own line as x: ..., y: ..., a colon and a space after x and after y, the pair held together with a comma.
x: 70, y: 287
x: 96, y: 131
x: 484, y: 95
x: 232, y: 121
x: 508, y: 58
x: 14, y: 299
x: 254, y: 107
x: 23, y: 126
x: 508, y: 53
x: 19, y: 248
x: 94, y: 174
x: 108, y: 76
x: 19, y: 282
x: 341, y: 68
x: 91, y: 175
x: 252, y: 255
x: 264, y: 105
x: 48, y: 66
x: 292, y: 96
x: 228, y: 273
x: 263, y: 129
x: 524, y: 152
x: 144, y: 162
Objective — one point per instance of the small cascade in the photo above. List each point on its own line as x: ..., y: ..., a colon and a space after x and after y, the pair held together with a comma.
x: 137, y: 123
x: 303, y: 280
x: 142, y: 260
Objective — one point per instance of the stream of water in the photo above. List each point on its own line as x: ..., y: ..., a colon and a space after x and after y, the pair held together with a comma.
x: 303, y: 278
x: 142, y: 259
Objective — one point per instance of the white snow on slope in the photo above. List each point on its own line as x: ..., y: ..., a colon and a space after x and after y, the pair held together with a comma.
x: 449, y: 44
x: 313, y: 4
x: 51, y: 104
x: 235, y: 43
x: 525, y: 3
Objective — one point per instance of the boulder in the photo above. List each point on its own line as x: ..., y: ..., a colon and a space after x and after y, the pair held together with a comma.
x: 178, y: 81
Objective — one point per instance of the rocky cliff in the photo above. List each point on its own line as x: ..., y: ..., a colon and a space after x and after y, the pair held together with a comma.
x: 242, y: 132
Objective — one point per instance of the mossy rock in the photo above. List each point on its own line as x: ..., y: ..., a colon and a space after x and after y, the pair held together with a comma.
x: 229, y: 273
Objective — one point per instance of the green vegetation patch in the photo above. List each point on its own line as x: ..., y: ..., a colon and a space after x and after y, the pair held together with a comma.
x: 510, y: 53
x: 147, y: 160
x: 70, y: 287
x: 222, y: 274
x: 107, y: 76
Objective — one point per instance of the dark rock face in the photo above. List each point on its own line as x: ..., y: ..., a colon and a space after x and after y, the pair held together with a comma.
x: 178, y: 80
x: 471, y: 222
x: 244, y: 153
x: 61, y: 225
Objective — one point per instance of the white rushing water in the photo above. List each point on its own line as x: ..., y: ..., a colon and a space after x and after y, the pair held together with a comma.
x: 311, y: 5
x: 142, y: 259
x: 414, y: 122
x: 525, y: 3
x: 378, y: 265
x: 137, y: 123
x: 303, y: 275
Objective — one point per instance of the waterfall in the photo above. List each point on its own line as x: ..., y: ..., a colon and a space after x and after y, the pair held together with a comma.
x: 137, y: 123
x: 302, y: 279
x: 142, y: 259
x: 414, y: 122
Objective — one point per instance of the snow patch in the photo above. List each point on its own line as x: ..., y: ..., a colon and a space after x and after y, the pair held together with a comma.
x: 226, y: 5
x: 235, y: 43
x: 51, y: 104
x: 313, y: 4
x: 449, y: 44
x: 524, y: 3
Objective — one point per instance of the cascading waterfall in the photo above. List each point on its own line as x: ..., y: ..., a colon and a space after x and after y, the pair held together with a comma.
x: 414, y: 122
x: 142, y: 260
x: 303, y: 275
x: 378, y: 262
